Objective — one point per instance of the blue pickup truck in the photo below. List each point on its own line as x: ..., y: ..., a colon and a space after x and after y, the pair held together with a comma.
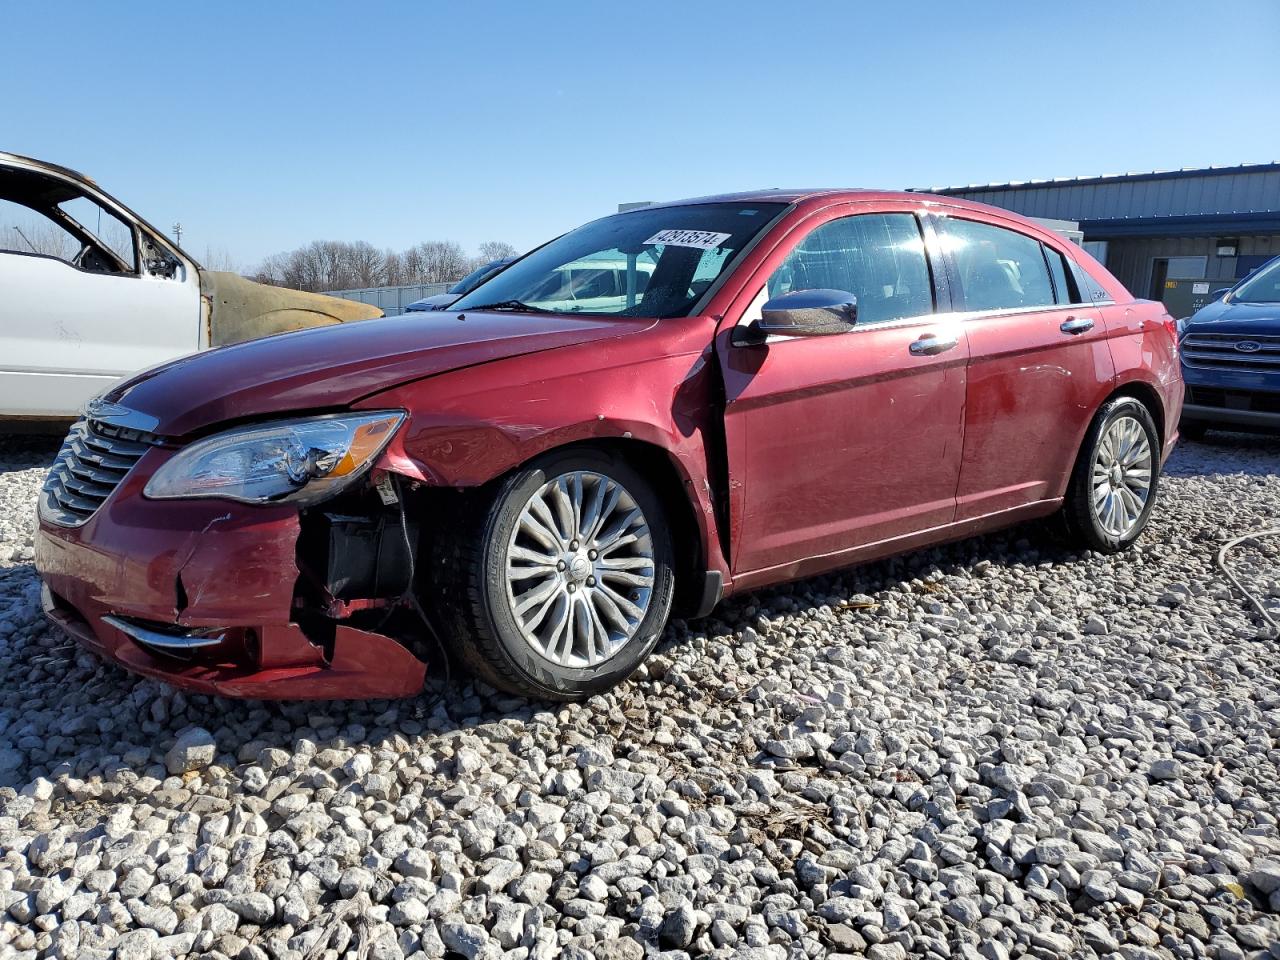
x: 1231, y: 358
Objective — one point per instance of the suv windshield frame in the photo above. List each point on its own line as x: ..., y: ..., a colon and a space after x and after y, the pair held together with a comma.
x: 641, y: 222
x: 1270, y: 268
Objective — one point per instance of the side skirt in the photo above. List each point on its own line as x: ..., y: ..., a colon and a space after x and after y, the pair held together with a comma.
x: 867, y: 552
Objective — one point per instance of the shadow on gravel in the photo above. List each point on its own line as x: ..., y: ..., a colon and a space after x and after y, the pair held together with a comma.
x: 87, y: 716
x: 1198, y: 457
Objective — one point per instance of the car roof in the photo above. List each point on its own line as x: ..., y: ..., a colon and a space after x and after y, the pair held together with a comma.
x: 787, y: 195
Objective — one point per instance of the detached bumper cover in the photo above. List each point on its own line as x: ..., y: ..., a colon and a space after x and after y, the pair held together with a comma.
x: 140, y: 571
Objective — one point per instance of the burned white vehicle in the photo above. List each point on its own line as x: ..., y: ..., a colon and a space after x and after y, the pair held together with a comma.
x: 90, y: 292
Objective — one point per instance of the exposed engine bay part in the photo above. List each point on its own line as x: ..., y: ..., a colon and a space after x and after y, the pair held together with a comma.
x: 237, y: 309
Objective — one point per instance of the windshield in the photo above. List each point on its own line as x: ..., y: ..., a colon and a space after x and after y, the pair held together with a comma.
x: 1262, y: 287
x: 652, y: 262
x: 469, y: 282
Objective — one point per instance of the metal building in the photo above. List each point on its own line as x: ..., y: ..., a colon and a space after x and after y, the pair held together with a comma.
x: 1172, y: 235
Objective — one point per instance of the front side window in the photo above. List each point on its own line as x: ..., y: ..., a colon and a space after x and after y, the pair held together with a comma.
x: 1262, y: 287
x: 104, y: 226
x: 878, y: 257
x: 24, y: 230
x: 651, y: 262
x: 998, y: 268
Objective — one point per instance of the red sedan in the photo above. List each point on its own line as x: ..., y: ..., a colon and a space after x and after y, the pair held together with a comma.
x: 649, y: 413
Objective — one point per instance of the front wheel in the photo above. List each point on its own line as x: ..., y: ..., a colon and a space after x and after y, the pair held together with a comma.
x: 563, y: 581
x: 1113, y: 485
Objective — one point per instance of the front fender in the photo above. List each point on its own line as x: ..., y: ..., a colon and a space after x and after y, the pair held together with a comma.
x: 469, y: 427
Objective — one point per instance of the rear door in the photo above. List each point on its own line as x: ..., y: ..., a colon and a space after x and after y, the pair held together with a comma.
x: 1038, y: 361
x: 840, y: 442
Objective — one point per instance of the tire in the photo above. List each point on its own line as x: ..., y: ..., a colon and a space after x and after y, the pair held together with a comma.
x: 602, y: 643
x: 1194, y: 432
x: 1100, y: 508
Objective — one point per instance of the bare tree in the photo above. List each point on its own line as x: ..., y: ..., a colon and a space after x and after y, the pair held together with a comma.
x: 338, y: 265
x: 442, y: 260
x: 497, y: 250
x: 219, y: 258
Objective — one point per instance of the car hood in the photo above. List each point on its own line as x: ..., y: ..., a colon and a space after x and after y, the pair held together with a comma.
x: 332, y: 367
x: 1246, y: 319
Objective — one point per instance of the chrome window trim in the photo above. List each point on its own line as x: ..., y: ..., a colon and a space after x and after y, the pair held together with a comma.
x: 947, y: 316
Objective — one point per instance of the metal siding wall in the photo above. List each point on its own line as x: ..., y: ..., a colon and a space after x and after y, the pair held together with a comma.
x: 392, y: 300
x: 1189, y: 195
x: 1131, y: 259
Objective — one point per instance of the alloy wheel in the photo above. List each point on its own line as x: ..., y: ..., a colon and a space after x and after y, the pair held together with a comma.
x: 1121, y: 476
x: 580, y: 569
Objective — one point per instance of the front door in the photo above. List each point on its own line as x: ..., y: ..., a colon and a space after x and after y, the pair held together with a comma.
x: 840, y: 442
x: 1038, y: 360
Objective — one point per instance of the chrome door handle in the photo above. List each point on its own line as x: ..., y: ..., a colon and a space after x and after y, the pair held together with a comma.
x: 928, y: 346
x: 1074, y: 325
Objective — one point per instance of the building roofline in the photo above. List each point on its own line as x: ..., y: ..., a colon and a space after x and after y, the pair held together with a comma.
x: 1212, y: 171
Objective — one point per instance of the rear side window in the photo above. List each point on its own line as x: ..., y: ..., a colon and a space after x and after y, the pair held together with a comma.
x: 878, y: 257
x: 1064, y: 285
x: 998, y: 269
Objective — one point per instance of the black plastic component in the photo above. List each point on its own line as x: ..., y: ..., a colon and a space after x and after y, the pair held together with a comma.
x: 367, y: 557
x: 712, y: 591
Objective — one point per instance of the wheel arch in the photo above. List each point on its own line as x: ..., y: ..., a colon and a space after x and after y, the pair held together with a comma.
x: 1149, y: 397
x: 672, y: 483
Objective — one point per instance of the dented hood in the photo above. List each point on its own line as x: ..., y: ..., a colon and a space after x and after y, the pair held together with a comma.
x: 237, y: 309
x: 333, y: 366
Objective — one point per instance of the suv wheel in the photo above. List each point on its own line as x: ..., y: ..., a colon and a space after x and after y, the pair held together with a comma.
x: 562, y: 583
x: 1113, y: 485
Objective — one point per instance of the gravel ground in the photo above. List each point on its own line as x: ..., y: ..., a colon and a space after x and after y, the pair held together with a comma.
x: 995, y: 749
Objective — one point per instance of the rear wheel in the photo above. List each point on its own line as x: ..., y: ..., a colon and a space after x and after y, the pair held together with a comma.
x: 562, y: 582
x: 1113, y: 486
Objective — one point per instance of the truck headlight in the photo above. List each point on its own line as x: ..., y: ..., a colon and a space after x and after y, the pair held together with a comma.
x: 288, y: 461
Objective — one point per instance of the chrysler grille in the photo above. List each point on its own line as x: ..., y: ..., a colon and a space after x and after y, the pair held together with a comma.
x: 1219, y: 351
x: 93, y: 460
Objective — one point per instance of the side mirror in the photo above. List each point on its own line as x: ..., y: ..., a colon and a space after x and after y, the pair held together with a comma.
x: 809, y: 313
x: 1219, y: 294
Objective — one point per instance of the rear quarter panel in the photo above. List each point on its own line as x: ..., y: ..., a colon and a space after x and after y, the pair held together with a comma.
x: 1144, y: 346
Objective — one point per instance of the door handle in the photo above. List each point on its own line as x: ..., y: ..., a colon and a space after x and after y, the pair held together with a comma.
x: 931, y: 345
x: 1074, y: 325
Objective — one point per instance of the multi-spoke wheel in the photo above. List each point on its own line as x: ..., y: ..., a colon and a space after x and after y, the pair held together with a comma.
x: 564, y: 584
x: 1121, y: 476
x: 1114, y: 483
x: 580, y: 569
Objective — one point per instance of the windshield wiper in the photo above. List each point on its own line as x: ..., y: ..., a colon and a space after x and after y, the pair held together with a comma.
x: 511, y: 305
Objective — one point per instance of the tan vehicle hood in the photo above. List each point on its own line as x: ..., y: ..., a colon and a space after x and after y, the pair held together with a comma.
x: 236, y: 309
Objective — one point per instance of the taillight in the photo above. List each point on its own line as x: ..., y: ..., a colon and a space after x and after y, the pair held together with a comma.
x: 1171, y: 328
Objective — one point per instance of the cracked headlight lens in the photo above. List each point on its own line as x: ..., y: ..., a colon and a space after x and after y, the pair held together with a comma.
x: 288, y: 461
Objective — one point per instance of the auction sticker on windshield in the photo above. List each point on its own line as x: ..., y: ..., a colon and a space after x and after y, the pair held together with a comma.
x: 698, y: 239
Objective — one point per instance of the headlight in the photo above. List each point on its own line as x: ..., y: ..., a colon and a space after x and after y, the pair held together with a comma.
x: 289, y: 461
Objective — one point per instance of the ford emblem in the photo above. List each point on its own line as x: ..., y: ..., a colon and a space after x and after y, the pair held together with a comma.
x: 1248, y: 346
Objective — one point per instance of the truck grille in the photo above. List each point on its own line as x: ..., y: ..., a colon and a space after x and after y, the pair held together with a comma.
x: 1222, y: 351
x: 93, y: 460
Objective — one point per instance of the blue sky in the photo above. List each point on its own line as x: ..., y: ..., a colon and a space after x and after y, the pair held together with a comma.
x: 263, y: 126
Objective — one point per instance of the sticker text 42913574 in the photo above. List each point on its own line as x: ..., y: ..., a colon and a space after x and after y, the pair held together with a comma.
x: 698, y: 239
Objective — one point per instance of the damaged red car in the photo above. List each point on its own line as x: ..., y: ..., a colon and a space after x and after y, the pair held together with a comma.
x: 647, y: 414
